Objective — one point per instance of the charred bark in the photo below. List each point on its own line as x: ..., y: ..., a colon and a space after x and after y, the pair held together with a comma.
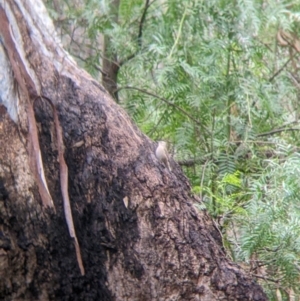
x: 139, y: 234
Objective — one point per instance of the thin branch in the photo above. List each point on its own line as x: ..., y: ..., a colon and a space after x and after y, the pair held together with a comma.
x: 139, y: 38
x: 229, y: 101
x: 93, y: 65
x: 286, y: 63
x: 277, y: 131
x: 280, y: 69
x: 157, y: 124
x: 253, y: 141
x: 214, y: 175
x: 194, y: 161
x: 72, y: 37
x: 294, y: 79
x: 167, y: 102
x: 264, y: 44
x: 127, y: 59
x: 202, y: 178
x: 265, y: 278
x: 179, y: 33
x: 142, y: 23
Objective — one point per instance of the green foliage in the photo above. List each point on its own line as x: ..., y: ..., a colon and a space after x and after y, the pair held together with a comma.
x: 226, y: 199
x: 212, y: 78
x: 270, y: 231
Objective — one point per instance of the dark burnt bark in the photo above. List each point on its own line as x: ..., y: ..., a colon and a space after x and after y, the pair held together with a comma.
x: 139, y: 234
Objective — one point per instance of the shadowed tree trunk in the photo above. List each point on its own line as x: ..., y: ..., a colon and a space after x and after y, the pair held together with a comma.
x: 131, y: 231
x: 110, y: 72
x: 110, y: 63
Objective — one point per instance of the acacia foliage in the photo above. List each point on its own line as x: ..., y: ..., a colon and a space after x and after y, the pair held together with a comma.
x: 219, y: 81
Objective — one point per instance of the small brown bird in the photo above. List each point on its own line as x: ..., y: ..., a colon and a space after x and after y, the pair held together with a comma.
x: 162, y: 154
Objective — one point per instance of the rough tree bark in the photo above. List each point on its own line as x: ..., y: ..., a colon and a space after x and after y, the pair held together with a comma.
x: 139, y: 236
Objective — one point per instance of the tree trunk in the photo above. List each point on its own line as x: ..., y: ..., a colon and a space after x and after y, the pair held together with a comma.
x: 136, y: 234
x: 111, y: 69
x: 110, y: 63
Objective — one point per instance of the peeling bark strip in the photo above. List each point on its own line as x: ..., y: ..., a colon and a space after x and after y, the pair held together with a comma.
x: 30, y: 92
x: 64, y: 186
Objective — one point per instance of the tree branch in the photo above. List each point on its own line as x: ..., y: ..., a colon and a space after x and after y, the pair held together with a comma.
x: 191, y: 162
x: 140, y: 34
x: 179, y: 32
x: 167, y: 102
x: 277, y: 131
x: 142, y: 23
x: 286, y: 63
x: 93, y: 65
x: 279, y: 70
x: 265, y: 278
x: 156, y: 126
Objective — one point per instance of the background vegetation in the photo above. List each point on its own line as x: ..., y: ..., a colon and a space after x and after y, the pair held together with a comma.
x: 219, y: 80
